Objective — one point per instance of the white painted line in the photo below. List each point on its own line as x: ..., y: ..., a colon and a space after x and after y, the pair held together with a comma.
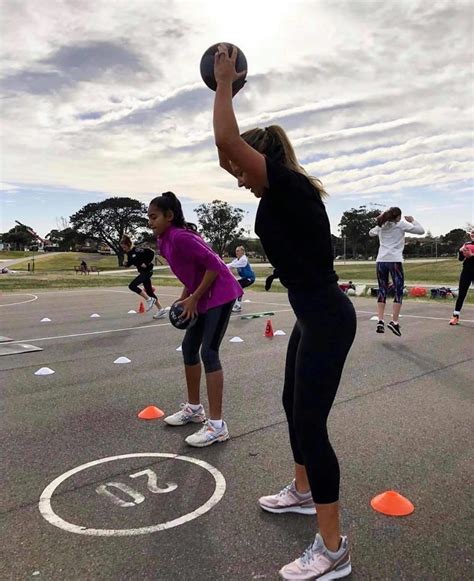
x: 150, y: 326
x: 35, y: 298
x: 48, y: 513
x: 419, y: 317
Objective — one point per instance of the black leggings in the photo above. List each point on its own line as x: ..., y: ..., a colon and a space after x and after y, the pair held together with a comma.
x: 143, y: 278
x: 322, y: 336
x: 465, y: 280
x: 207, y: 334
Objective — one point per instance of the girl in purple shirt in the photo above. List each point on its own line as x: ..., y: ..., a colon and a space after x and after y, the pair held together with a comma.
x: 208, y: 294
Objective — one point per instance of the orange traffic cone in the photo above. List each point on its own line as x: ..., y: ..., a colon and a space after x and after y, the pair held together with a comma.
x: 151, y: 413
x: 269, y: 329
x: 141, y: 308
x: 392, y: 503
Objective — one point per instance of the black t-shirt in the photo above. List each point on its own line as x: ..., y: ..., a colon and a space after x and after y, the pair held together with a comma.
x: 468, y: 263
x: 139, y: 256
x: 293, y: 226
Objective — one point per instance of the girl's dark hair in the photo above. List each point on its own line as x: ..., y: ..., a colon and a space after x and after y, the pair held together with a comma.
x: 168, y: 202
x: 126, y: 240
x: 389, y: 215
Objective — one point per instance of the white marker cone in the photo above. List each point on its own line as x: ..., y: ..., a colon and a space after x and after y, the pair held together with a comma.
x: 132, y: 312
x: 247, y: 301
x: 122, y: 360
x: 279, y: 332
x: 236, y: 340
x: 44, y: 371
x: 374, y: 318
x: 179, y: 348
x: 94, y: 316
x: 45, y: 320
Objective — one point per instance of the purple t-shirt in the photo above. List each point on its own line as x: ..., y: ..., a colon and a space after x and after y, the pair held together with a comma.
x: 189, y: 257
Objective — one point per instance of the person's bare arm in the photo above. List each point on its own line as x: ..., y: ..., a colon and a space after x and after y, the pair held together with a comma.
x: 224, y: 162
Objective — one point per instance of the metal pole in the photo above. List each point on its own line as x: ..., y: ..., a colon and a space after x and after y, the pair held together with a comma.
x: 436, y: 248
x: 344, y: 238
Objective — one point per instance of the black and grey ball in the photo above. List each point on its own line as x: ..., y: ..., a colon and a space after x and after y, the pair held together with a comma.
x: 207, y: 66
x: 175, y: 316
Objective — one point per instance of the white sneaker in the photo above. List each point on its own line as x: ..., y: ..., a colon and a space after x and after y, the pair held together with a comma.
x: 185, y: 416
x: 236, y: 308
x: 208, y: 435
x: 316, y: 563
x: 160, y: 314
x: 288, y: 500
x: 149, y: 303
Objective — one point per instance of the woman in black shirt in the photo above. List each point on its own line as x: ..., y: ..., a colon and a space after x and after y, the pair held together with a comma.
x: 466, y: 256
x: 142, y: 259
x: 294, y: 229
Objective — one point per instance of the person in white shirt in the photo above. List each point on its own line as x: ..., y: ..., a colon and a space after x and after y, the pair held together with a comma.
x: 391, y: 230
x: 245, y: 271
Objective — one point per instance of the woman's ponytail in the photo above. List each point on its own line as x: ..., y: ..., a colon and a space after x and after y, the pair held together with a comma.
x: 167, y: 202
x: 390, y: 215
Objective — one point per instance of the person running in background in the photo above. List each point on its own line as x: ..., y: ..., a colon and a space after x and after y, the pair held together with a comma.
x: 391, y: 230
x: 208, y: 295
x: 245, y: 271
x: 466, y: 255
x: 291, y: 209
x: 83, y: 267
x: 142, y: 259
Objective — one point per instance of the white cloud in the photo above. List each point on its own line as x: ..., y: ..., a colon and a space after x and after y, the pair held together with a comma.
x: 376, y: 97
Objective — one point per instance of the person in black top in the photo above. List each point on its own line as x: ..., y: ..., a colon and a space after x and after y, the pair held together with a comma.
x: 294, y: 229
x: 466, y: 255
x: 142, y: 259
x: 83, y: 266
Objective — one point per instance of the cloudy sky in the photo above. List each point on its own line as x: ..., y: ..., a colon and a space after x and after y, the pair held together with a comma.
x: 104, y: 97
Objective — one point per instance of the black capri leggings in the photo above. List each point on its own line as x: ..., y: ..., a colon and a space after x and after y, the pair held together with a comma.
x: 322, y: 336
x: 143, y: 278
x: 207, y: 333
x: 465, y: 280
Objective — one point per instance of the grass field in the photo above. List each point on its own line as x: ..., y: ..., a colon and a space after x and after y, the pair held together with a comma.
x: 11, y: 254
x: 442, y: 271
x: 66, y: 261
x: 57, y: 272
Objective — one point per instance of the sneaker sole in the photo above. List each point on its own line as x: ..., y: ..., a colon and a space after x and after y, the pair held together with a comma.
x: 150, y: 307
x: 397, y: 333
x: 295, y: 509
x: 380, y: 332
x: 191, y: 421
x: 344, y: 572
x: 205, y: 444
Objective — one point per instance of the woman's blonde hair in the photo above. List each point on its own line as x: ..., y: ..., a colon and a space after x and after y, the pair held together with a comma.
x: 275, y: 144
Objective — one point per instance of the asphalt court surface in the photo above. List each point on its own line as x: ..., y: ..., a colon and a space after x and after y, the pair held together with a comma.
x: 123, y: 498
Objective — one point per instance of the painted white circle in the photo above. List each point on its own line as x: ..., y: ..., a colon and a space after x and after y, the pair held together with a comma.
x: 49, y: 514
x: 35, y: 298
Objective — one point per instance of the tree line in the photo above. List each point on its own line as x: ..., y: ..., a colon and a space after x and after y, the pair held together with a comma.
x: 102, y: 224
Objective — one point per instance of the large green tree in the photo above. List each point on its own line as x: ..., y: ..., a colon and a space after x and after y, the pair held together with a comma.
x: 109, y: 220
x: 19, y: 238
x: 219, y: 223
x: 355, y: 225
x: 453, y: 240
x: 67, y: 239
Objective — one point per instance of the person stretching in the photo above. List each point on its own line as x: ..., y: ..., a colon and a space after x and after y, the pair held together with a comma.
x: 291, y: 208
x: 466, y: 255
x: 391, y: 230
x: 142, y: 258
x: 245, y: 271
